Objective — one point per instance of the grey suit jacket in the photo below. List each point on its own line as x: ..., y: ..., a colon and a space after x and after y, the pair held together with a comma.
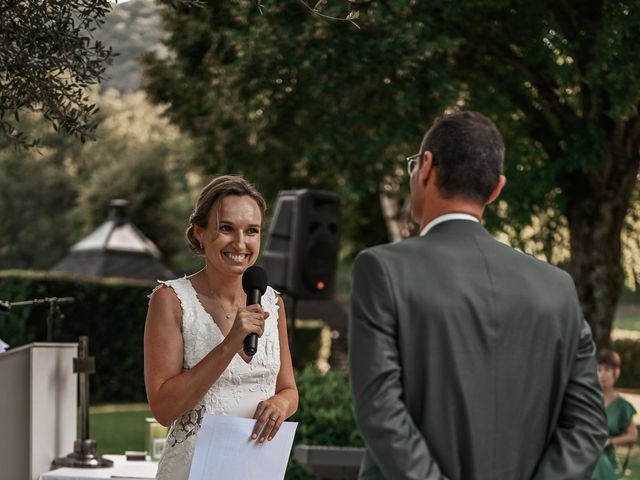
x: 471, y: 361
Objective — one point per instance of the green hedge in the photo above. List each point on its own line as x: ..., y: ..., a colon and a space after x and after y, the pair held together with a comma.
x: 307, y: 345
x: 110, y: 312
x: 324, y: 414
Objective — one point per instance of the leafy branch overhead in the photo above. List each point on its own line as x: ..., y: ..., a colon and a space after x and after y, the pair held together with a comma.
x: 320, y: 5
x: 48, y: 58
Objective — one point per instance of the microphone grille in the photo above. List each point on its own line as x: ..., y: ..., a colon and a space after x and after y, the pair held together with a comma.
x: 254, y: 277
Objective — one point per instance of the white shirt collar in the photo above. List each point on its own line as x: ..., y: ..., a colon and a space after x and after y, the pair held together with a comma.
x: 445, y: 218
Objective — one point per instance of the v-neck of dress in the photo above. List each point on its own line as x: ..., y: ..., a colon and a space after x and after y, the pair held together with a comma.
x: 617, y: 397
x: 200, y: 304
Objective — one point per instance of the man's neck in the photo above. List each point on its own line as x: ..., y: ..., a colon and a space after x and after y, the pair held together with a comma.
x: 447, y: 217
x: 450, y: 206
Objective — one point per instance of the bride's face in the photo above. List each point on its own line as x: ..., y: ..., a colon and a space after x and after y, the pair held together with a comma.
x: 232, y: 238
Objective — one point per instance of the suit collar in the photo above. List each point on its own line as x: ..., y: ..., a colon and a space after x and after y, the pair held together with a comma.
x: 458, y: 227
x: 446, y: 218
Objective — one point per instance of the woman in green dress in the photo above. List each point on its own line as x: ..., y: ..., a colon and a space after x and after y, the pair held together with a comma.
x: 622, y: 430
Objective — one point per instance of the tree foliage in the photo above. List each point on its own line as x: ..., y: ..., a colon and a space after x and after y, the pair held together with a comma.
x: 140, y: 157
x: 35, y: 194
x: 564, y: 85
x: 48, y: 57
x: 294, y: 101
x: 50, y: 52
x: 52, y: 197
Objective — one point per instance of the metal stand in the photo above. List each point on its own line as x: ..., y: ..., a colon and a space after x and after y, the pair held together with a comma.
x: 84, y: 449
x: 54, y: 308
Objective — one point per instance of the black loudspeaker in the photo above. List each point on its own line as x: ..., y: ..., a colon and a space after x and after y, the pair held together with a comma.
x: 301, y: 250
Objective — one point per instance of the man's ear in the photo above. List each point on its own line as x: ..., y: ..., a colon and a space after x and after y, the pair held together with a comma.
x: 425, y: 167
x: 502, y: 180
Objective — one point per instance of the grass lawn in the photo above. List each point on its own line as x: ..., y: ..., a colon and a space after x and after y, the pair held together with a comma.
x: 119, y: 427
x: 633, y: 469
x: 627, y: 317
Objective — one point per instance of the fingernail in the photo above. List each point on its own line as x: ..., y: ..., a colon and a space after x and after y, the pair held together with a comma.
x: 270, y: 438
x: 261, y: 439
x: 254, y: 436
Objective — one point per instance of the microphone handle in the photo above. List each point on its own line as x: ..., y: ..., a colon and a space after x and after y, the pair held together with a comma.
x: 250, y: 343
x: 253, y: 296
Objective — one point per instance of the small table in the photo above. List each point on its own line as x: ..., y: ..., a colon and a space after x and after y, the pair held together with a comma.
x: 122, y: 469
x: 329, y: 462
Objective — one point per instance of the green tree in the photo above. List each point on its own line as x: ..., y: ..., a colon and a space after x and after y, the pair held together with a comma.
x: 140, y: 157
x: 47, y: 59
x: 565, y: 85
x: 294, y: 101
x: 52, y: 197
x: 35, y: 196
x: 49, y: 55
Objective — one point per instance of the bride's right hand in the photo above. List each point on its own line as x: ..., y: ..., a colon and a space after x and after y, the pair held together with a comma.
x: 248, y: 320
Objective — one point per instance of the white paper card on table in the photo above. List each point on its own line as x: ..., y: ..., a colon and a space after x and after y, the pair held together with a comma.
x: 224, y: 449
x: 139, y: 471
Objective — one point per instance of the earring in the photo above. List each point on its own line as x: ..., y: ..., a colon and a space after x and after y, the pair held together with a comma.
x: 201, y: 247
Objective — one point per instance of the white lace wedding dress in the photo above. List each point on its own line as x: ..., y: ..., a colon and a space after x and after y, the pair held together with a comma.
x: 238, y: 390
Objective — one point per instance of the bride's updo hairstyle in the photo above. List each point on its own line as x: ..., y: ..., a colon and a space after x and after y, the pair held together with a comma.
x: 210, y: 195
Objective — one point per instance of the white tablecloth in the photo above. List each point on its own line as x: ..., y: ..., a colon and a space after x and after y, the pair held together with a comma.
x: 121, y: 469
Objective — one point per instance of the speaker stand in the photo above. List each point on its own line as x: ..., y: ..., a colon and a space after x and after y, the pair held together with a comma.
x: 84, y: 453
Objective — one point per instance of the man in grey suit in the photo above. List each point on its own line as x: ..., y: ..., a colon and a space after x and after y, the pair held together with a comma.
x: 469, y: 360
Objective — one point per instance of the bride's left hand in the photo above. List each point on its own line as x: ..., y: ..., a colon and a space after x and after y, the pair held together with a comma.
x: 269, y: 416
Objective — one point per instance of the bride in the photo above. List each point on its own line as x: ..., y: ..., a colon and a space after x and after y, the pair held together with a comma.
x: 195, y: 327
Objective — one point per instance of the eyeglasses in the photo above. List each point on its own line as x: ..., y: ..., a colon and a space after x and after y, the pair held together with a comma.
x: 412, y: 161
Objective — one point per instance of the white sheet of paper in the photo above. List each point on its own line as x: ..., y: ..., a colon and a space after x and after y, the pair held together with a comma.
x: 132, y: 470
x: 224, y: 449
x: 3, y: 346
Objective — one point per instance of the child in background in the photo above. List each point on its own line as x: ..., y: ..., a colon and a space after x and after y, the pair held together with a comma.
x: 622, y: 430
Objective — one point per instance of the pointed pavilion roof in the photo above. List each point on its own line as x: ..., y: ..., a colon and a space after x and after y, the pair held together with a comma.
x: 117, y: 248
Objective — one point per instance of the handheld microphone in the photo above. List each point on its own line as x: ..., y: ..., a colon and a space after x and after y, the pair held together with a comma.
x: 254, y: 284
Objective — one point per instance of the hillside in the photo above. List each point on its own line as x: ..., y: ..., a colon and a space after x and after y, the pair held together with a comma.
x: 132, y: 28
